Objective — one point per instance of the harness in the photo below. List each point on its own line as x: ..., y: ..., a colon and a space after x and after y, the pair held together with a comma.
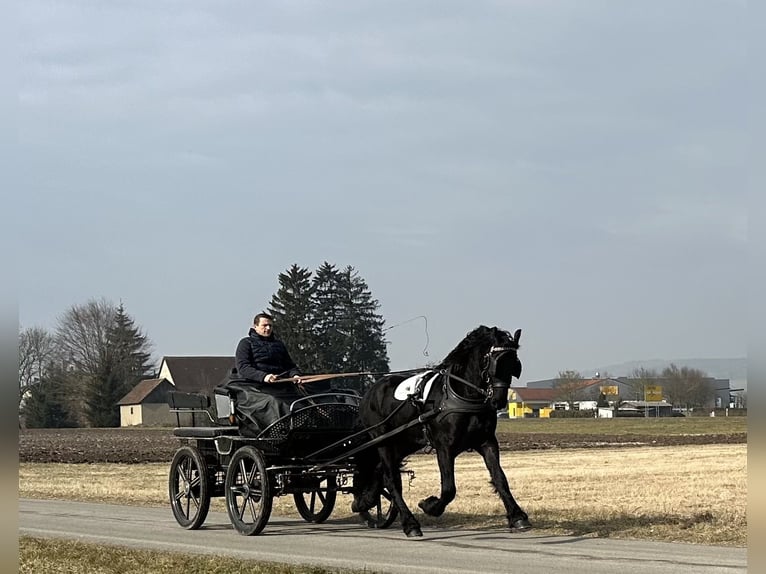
x: 452, y: 402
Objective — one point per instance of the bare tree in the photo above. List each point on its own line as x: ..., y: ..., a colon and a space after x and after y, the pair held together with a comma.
x: 640, y: 379
x: 105, y: 354
x: 36, y: 350
x: 687, y: 387
x: 82, y: 333
x: 569, y: 387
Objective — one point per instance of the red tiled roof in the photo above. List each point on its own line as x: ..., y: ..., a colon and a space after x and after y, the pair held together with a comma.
x: 140, y: 392
x: 525, y: 394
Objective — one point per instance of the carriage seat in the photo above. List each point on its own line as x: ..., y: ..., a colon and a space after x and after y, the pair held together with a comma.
x: 191, y: 409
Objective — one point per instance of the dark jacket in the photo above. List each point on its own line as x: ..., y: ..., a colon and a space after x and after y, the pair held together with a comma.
x: 260, y: 356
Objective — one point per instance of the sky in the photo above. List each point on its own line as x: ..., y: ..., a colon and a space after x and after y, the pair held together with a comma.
x: 572, y: 169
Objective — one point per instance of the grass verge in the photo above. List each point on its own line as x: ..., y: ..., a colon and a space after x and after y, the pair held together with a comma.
x: 54, y: 556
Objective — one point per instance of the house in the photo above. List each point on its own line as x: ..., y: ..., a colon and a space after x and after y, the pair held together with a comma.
x: 146, y: 403
x: 529, y: 402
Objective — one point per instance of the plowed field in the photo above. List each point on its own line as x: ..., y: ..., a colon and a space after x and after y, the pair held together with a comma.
x: 158, y: 445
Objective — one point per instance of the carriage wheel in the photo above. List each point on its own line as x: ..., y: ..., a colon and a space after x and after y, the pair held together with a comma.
x: 188, y: 488
x: 248, y: 492
x: 383, y: 514
x: 317, y: 505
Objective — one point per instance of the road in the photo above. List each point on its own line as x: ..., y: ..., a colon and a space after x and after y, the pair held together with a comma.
x: 341, y: 544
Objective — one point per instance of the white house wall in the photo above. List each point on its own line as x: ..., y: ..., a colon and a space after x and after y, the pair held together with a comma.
x: 130, y: 415
x: 151, y: 414
x: 165, y: 373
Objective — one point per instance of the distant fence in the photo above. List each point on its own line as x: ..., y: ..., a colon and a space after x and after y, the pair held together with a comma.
x: 722, y: 412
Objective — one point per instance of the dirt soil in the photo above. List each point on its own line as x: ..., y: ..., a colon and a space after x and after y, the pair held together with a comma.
x: 158, y: 445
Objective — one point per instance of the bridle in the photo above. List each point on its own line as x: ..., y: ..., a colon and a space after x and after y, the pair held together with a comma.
x: 491, y: 385
x: 490, y: 366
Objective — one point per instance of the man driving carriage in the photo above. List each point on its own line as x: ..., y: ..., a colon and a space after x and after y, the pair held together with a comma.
x: 263, y: 364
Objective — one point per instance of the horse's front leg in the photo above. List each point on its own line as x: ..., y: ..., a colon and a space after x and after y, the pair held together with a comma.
x: 517, y: 518
x: 433, y: 505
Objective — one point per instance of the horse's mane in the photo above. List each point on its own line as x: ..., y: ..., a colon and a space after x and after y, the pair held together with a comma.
x: 480, y: 336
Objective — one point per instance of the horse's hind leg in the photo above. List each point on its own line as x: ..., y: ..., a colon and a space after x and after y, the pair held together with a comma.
x: 392, y: 475
x: 517, y: 518
x: 433, y: 505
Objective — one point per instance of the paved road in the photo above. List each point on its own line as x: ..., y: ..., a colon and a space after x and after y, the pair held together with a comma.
x: 345, y: 545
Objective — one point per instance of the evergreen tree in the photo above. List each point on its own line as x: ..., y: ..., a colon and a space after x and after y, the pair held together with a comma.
x: 329, y: 321
x: 327, y: 305
x: 44, y: 405
x: 124, y: 363
x: 364, y: 348
x: 130, y: 349
x: 293, y: 316
x: 104, y: 389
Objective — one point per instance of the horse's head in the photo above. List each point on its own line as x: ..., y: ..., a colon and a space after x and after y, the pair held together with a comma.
x: 501, y: 364
x: 488, y: 356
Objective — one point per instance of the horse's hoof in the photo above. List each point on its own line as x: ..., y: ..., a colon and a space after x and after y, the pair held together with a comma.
x: 522, y: 525
x: 430, y: 506
x: 414, y: 533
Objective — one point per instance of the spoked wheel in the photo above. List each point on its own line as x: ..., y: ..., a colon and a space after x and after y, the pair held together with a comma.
x: 383, y: 514
x: 188, y: 488
x: 317, y: 505
x: 248, y: 492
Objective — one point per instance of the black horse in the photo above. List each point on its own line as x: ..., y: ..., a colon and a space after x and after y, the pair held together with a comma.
x: 459, y: 413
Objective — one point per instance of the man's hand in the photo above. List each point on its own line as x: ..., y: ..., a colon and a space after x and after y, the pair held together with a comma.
x: 269, y: 378
x: 297, y: 379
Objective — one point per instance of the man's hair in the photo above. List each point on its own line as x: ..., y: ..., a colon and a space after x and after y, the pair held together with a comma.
x: 260, y: 316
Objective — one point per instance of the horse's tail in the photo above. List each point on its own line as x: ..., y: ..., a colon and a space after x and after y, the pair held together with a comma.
x: 367, y: 483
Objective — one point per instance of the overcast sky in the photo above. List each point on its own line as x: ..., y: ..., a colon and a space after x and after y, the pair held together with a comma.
x: 573, y: 169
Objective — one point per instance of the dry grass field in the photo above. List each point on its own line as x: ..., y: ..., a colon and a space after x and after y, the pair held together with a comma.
x: 689, y: 493
x: 675, y: 479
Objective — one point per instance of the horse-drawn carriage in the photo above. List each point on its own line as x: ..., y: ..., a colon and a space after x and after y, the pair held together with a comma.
x: 292, y: 456
x: 341, y: 443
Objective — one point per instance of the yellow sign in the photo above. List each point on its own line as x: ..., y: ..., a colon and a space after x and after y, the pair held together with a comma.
x: 653, y: 393
x: 610, y: 390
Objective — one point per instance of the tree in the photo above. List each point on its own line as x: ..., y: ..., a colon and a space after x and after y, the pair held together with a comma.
x: 569, y: 387
x: 687, y: 387
x: 361, y: 326
x: 124, y: 363
x: 640, y: 379
x: 36, y: 351
x: 45, y: 405
x: 104, y: 390
x: 327, y: 312
x: 105, y: 355
x: 330, y: 322
x: 130, y: 347
x: 81, y: 334
x: 292, y: 311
